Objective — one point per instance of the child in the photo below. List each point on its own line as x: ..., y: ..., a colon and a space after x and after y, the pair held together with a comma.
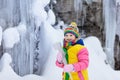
x: 76, y: 56
x: 74, y: 25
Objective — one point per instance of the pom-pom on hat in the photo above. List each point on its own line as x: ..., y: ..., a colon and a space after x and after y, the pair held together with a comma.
x: 73, y: 24
x: 71, y: 30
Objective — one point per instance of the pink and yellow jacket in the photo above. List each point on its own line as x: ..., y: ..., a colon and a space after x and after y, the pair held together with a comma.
x: 78, y: 56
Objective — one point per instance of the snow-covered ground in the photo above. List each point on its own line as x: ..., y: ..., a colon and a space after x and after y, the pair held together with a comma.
x: 7, y: 73
x: 98, y: 69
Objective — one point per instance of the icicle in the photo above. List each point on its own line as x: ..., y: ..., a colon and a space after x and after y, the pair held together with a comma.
x: 118, y: 18
x: 88, y: 1
x: 78, y: 6
x: 110, y: 28
x: 0, y: 35
x: 10, y: 12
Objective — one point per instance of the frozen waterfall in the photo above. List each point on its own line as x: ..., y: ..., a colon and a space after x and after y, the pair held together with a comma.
x: 16, y: 14
x: 25, y: 17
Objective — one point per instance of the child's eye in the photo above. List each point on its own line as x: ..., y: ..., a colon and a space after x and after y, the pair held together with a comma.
x: 66, y: 35
x: 70, y: 35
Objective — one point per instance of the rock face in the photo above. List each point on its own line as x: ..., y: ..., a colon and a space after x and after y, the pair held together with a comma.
x: 65, y: 10
x: 88, y: 19
x: 117, y: 52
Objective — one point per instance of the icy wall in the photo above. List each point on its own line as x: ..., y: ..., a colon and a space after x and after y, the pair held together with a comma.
x: 15, y: 14
x: 21, y: 21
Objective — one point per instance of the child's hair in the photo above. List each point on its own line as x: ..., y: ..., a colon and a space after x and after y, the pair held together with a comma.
x: 72, y: 30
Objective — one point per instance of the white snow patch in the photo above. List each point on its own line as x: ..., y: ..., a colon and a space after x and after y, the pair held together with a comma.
x: 22, y: 28
x: 51, y: 17
x: 10, y: 37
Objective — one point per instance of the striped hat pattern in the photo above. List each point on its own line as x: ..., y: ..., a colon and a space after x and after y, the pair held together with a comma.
x: 72, y: 30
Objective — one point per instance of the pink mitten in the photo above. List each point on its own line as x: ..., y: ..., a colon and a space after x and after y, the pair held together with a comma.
x: 61, y: 65
x: 68, y: 68
x: 59, y: 57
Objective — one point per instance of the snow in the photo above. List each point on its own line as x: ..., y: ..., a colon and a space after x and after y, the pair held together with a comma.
x: 50, y: 66
x: 51, y: 71
x: 7, y: 73
x: 5, y: 62
x: 10, y: 37
x: 51, y: 34
x: 98, y: 69
x: 0, y: 35
x: 43, y: 3
x: 21, y: 28
x: 51, y: 17
x: 38, y: 12
x: 117, y: 1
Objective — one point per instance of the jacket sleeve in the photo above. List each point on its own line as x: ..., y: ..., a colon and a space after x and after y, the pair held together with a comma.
x: 83, y: 60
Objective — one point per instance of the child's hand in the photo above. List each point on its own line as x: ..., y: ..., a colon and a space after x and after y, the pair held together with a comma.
x: 68, y: 68
x: 61, y: 65
x: 59, y: 57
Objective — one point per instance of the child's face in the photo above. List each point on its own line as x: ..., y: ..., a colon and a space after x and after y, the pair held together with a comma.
x: 69, y: 37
